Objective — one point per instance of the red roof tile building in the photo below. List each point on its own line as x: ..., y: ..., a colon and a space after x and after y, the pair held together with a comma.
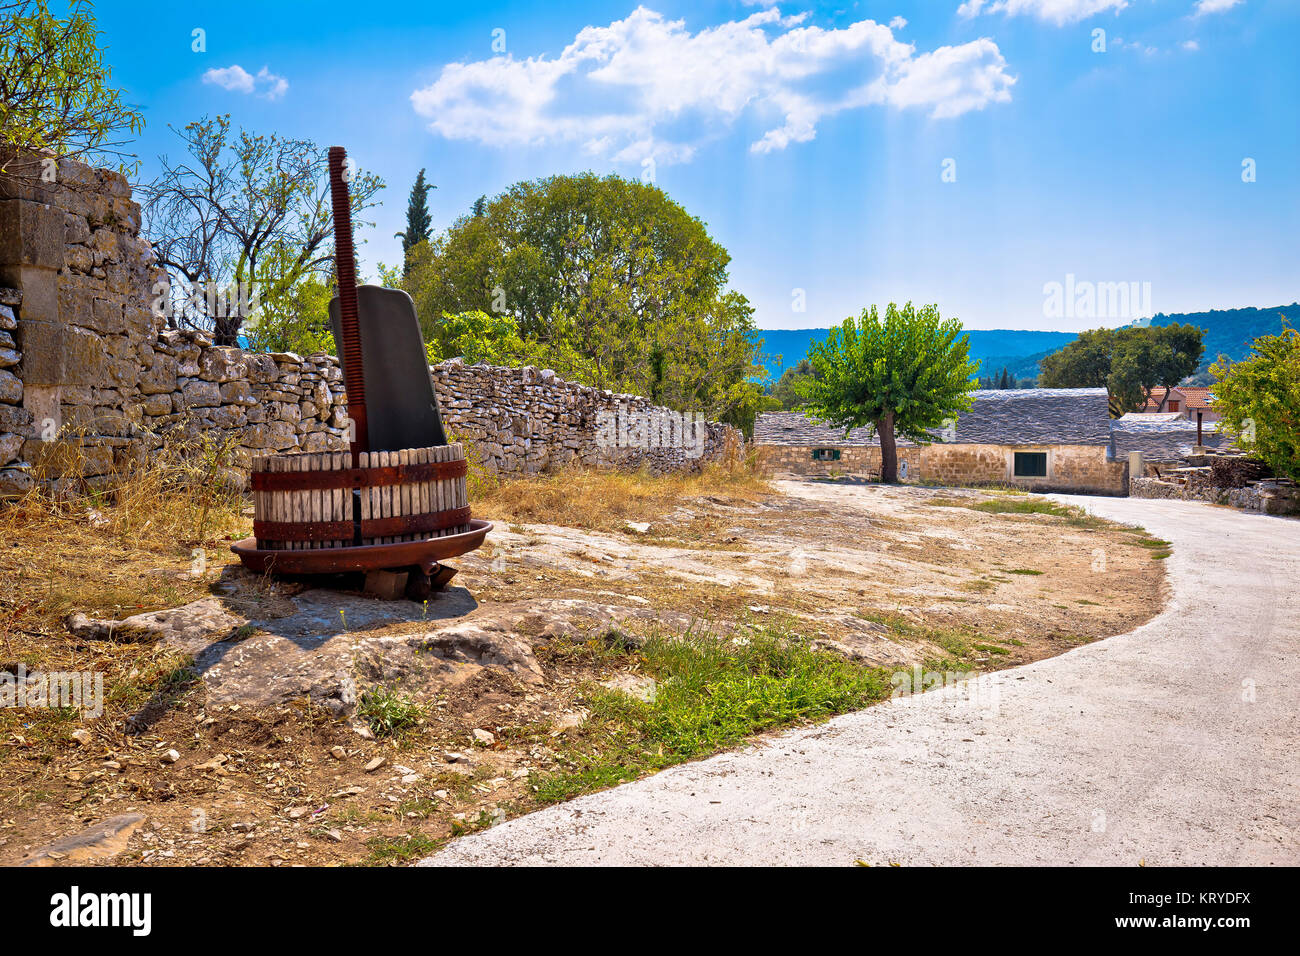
x: 1187, y: 400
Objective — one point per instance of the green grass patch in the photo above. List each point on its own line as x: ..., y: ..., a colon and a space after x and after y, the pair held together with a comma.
x: 711, y: 693
x: 957, y: 642
x: 385, y: 851
x: 1021, y: 506
x: 387, y: 712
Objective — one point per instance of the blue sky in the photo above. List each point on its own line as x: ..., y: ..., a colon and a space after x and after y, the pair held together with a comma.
x: 811, y: 138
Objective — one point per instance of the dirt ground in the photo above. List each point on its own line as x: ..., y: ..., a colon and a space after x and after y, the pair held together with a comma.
x: 903, y: 576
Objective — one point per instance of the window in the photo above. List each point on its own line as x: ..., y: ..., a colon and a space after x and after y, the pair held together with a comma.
x: 1031, y: 464
x: 1172, y: 406
x: 826, y: 454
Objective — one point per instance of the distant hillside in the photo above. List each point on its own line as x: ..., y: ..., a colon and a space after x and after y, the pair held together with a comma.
x: 1230, y: 331
x: 1227, y: 332
x: 1018, y: 350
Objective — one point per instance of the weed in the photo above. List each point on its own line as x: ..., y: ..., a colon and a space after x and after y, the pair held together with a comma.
x: 387, y: 712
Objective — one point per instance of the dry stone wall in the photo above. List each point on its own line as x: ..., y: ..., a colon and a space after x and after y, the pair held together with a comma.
x: 86, y: 361
x: 1269, y: 497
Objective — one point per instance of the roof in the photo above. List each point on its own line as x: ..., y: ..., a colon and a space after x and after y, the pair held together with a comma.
x: 1153, y: 417
x: 1029, y: 416
x: 1161, y: 440
x: 1194, y: 397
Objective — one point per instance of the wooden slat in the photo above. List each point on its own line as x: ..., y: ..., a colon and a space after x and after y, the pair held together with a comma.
x: 440, y: 502
x: 367, y: 494
x: 336, y: 496
x: 316, y: 497
x: 258, y: 513
x: 462, y: 493
x: 404, y: 492
x: 386, y: 501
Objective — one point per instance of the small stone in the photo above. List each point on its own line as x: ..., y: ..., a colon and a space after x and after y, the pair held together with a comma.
x: 454, y: 757
x: 374, y: 765
x: 171, y: 756
x: 567, y: 722
x: 640, y: 527
x: 338, y: 753
x: 297, y: 813
x: 334, y: 836
x: 484, y: 737
x: 411, y: 778
x: 361, y: 730
x: 112, y: 765
x: 82, y: 736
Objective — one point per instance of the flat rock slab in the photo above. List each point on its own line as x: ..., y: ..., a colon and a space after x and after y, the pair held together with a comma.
x: 1173, y: 744
x: 102, y: 841
x: 320, y: 645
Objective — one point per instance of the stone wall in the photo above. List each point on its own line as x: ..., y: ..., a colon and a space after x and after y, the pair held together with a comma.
x: 514, y: 420
x: 1266, y: 497
x: 1079, y: 468
x: 84, y: 360
x: 529, y: 420
x: 83, y: 330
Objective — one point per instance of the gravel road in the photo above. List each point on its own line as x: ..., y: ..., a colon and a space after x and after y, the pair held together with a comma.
x: 1172, y: 744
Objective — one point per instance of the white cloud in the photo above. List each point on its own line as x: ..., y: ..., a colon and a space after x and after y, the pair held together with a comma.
x: 1214, y: 6
x: 646, y: 87
x: 898, y: 23
x: 1191, y: 45
x: 236, y: 79
x: 1059, y: 12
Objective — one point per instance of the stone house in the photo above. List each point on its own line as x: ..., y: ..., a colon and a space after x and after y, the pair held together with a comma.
x: 1041, y: 439
x: 1187, y: 401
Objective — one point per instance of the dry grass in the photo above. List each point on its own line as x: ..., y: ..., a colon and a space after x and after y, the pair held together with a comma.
x: 605, y: 500
x: 152, y: 535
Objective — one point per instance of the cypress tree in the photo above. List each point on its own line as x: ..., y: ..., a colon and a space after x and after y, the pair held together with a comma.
x: 418, y: 221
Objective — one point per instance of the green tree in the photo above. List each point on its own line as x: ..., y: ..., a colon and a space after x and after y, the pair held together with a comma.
x: 902, y: 375
x: 245, y: 209
x: 786, y: 389
x: 1259, y: 400
x: 294, y: 317
x: 607, y: 269
x: 56, y: 92
x: 1130, y: 362
x: 495, y: 340
x: 418, y: 221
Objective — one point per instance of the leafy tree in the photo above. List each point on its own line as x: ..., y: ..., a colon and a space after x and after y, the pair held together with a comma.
x: 786, y: 390
x: 56, y: 92
x: 418, y: 221
x: 902, y: 375
x: 1129, y: 362
x: 245, y: 209
x: 1084, y: 363
x: 609, y: 270
x: 495, y: 340
x: 1259, y: 400
x: 295, y: 318
x: 479, y: 208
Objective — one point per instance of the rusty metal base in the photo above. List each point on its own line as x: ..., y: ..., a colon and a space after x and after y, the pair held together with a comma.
x: 424, y: 554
